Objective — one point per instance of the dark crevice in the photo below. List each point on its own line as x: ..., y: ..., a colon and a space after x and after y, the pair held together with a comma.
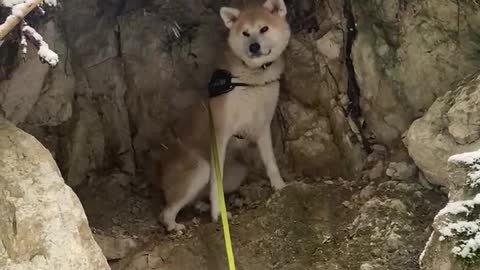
x: 118, y: 12
x: 118, y: 39
x: 353, y: 89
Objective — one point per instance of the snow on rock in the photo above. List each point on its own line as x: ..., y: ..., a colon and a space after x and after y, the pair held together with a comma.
x: 468, y: 248
x: 466, y: 227
x: 472, y: 161
x: 457, y: 225
x: 467, y: 158
x: 458, y: 207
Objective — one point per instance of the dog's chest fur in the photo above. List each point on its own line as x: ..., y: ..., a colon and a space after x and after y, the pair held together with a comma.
x: 249, y: 110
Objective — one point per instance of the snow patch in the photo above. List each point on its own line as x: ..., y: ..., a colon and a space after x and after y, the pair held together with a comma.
x: 468, y: 248
x: 20, y: 10
x: 472, y: 160
x: 461, y: 227
x: 459, y: 207
x: 465, y: 230
x: 467, y: 158
x: 11, y: 3
x: 465, y: 233
x: 44, y: 51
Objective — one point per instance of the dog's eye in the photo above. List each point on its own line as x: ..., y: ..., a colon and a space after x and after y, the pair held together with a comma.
x: 264, y: 29
x: 246, y: 34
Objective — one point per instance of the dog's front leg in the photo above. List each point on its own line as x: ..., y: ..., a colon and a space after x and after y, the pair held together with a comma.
x: 265, y: 147
x: 221, y: 147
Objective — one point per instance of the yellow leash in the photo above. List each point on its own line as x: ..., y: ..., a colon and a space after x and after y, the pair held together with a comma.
x: 221, y: 195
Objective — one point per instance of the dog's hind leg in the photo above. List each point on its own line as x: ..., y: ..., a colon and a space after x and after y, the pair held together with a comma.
x: 196, y: 179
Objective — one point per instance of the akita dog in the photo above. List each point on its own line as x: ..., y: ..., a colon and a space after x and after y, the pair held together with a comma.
x: 258, y: 36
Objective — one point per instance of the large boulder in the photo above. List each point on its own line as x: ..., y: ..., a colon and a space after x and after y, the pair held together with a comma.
x: 42, y: 223
x: 405, y: 57
x: 455, y: 241
x: 451, y: 126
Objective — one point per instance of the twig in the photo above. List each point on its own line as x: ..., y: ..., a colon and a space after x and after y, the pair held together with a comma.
x: 23, y: 43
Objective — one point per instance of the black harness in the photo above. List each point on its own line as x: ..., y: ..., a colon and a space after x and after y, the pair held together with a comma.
x: 221, y: 82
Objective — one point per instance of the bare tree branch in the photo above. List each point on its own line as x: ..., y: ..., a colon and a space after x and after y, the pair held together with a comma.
x: 19, y: 11
x: 46, y: 55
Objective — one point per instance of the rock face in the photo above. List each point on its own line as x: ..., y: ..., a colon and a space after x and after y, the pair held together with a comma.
x: 127, y: 78
x: 455, y: 242
x: 451, y: 126
x: 405, y: 57
x: 42, y: 223
x: 116, y: 100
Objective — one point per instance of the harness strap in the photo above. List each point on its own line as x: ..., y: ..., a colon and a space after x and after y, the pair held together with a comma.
x: 221, y: 83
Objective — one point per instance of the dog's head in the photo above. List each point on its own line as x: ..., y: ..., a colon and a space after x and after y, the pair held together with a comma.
x: 258, y: 35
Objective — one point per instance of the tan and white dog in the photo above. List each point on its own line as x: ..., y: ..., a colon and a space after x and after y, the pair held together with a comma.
x: 258, y: 36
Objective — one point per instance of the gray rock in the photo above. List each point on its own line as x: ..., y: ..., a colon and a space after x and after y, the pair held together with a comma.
x: 398, y: 80
x: 331, y: 44
x: 42, y: 223
x: 115, y: 248
x: 401, y: 171
x: 453, y: 244
x: 429, y: 140
x: 366, y: 266
x: 377, y: 171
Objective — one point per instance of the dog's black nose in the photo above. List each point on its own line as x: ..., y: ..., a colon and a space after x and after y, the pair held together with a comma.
x: 254, y: 48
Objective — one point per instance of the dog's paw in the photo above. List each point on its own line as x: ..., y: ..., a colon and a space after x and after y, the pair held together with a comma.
x: 216, y: 216
x: 218, y: 219
x: 176, y: 227
x: 215, y: 213
x: 278, y: 184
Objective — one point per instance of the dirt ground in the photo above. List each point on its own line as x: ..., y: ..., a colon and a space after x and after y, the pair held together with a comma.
x: 312, y: 224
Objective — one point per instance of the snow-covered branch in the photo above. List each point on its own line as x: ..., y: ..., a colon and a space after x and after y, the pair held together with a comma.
x: 20, y: 9
x: 44, y: 52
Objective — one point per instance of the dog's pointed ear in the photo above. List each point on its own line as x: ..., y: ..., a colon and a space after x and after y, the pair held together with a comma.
x: 276, y: 7
x: 229, y: 15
